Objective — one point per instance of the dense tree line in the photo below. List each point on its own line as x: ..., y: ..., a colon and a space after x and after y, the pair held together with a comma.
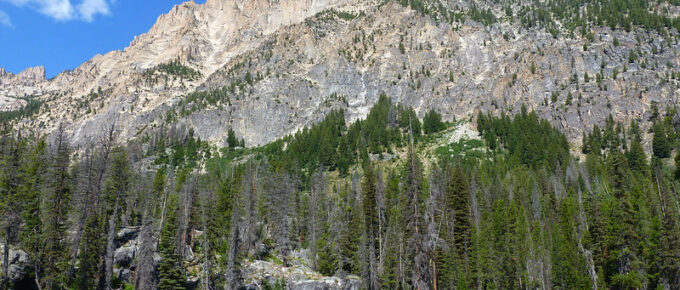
x: 525, y: 215
x: 32, y: 107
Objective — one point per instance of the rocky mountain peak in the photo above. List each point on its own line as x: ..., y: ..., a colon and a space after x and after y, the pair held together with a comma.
x: 35, y: 74
x: 29, y: 76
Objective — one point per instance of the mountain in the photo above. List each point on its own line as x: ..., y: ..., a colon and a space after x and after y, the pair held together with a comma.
x: 359, y: 144
x: 274, y: 67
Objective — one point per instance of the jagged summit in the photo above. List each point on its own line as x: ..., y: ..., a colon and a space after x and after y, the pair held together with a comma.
x: 31, y: 75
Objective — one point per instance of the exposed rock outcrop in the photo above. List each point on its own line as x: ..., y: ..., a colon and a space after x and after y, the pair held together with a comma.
x: 282, y: 65
x: 18, y: 264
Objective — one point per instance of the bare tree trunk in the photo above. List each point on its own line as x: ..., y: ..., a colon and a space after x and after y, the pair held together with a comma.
x: 36, y: 273
x: 372, y: 264
x: 232, y: 275
x: 206, y: 248
x: 164, y: 205
x: 146, y: 269
x: 380, y: 197
x: 93, y: 189
x: 187, y: 198
x: 84, y: 203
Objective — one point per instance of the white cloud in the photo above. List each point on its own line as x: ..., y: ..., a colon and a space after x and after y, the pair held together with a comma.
x: 4, y: 19
x: 64, y: 10
x: 89, y: 8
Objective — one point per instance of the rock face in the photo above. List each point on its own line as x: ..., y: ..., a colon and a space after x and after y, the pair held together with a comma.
x: 30, y: 82
x: 273, y: 67
x: 18, y: 264
x: 296, y: 276
x: 204, y: 37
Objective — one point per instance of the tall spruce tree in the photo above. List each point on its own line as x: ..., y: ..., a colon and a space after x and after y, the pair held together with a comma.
x: 371, y: 227
x: 660, y: 144
x: 170, y: 275
x: 32, y: 194
x: 11, y: 180
x: 58, y: 198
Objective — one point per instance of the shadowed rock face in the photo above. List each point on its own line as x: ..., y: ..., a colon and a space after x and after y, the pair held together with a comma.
x: 18, y: 266
x: 285, y: 65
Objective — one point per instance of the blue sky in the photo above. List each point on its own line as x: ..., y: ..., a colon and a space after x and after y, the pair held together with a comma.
x: 62, y: 34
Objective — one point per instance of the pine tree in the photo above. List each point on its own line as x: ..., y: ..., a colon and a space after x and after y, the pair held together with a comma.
x: 90, y: 253
x: 677, y: 166
x: 622, y: 235
x: 351, y: 237
x: 11, y: 180
x: 569, y: 266
x: 636, y: 156
x: 660, y: 144
x: 232, y: 142
x: 458, y: 198
x: 420, y: 275
x: 368, y: 189
x: 58, y: 197
x: 432, y: 122
x: 32, y: 195
x: 669, y: 250
x: 170, y: 276
x: 327, y: 262
x: 117, y: 186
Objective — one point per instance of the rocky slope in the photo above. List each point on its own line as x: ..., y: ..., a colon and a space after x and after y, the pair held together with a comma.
x: 298, y: 275
x: 268, y: 68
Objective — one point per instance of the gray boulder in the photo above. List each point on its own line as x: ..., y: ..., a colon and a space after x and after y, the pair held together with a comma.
x: 326, y: 283
x: 18, y: 263
x: 124, y: 256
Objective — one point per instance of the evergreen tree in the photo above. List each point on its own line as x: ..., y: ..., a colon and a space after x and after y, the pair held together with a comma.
x: 371, y: 227
x: 660, y: 144
x: 90, y: 253
x: 232, y: 142
x: 117, y: 186
x: 637, y: 158
x: 417, y: 252
x: 327, y: 262
x: 58, y: 197
x: 11, y: 180
x: 432, y: 122
x: 670, y: 250
x: 351, y: 236
x: 622, y: 235
x: 569, y: 266
x: 170, y: 275
x: 677, y: 166
x: 32, y: 237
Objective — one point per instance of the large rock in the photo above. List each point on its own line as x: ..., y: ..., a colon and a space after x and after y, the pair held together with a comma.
x: 297, y: 276
x: 18, y: 264
x: 127, y: 234
x: 123, y: 256
x: 326, y: 283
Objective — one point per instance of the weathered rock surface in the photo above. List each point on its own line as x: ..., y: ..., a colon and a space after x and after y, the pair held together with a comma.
x: 294, y: 276
x: 18, y: 264
x: 281, y: 65
x: 298, y: 275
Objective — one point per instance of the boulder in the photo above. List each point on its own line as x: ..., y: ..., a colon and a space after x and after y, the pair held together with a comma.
x: 329, y: 283
x: 127, y: 234
x: 124, y: 256
x: 18, y: 264
x: 123, y: 274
